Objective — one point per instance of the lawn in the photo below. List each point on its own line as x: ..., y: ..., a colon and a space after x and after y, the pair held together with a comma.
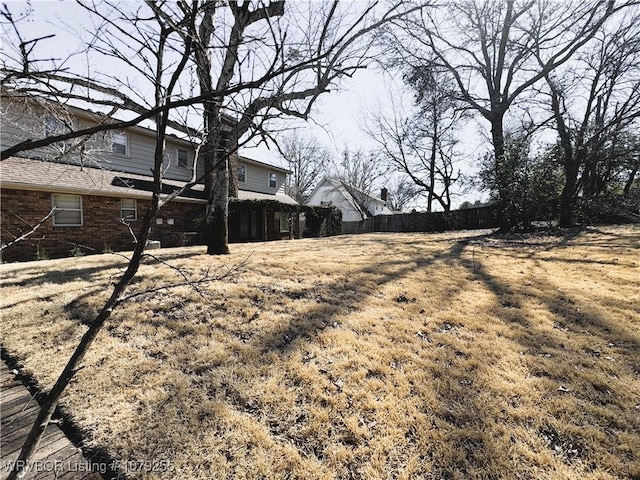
x: 381, y: 356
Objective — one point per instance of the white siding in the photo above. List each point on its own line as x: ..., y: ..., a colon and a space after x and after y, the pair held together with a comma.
x: 326, y: 193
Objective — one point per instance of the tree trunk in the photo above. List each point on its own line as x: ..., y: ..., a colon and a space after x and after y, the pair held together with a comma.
x: 507, y: 217
x: 432, y: 159
x: 217, y: 190
x: 216, y: 231
x: 232, y: 161
x: 629, y: 182
x: 216, y: 183
x: 567, y: 196
x: 572, y: 158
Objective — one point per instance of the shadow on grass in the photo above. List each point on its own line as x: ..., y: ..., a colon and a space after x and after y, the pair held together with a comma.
x: 37, y: 276
x: 570, y: 357
x: 335, y: 300
x: 38, y: 273
x: 468, y: 412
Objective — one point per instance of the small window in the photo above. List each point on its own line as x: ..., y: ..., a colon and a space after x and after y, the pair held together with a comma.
x: 273, y: 180
x: 128, y: 209
x: 120, y: 143
x: 242, y: 173
x: 67, y: 210
x: 183, y: 157
x: 53, y: 126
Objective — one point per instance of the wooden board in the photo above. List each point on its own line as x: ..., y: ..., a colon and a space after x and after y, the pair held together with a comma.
x: 56, y: 457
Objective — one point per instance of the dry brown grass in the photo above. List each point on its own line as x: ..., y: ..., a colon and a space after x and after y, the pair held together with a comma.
x: 376, y: 356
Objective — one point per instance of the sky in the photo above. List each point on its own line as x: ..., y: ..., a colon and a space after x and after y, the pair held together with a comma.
x: 339, y: 115
x: 337, y: 120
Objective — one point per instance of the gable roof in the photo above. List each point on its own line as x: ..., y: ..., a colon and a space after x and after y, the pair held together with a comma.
x: 342, y: 187
x: 355, y: 198
x: 363, y: 197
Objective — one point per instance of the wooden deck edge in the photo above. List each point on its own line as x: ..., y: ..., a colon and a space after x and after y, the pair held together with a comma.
x: 99, y: 465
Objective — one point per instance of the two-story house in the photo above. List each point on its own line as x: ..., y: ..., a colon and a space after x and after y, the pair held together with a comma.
x: 89, y: 194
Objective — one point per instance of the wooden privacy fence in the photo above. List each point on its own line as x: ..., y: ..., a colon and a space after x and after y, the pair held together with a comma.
x: 466, y: 219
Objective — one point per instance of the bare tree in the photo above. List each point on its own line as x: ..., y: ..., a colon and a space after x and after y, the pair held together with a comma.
x: 164, y: 82
x: 254, y: 63
x: 401, y: 193
x: 307, y: 161
x: 360, y: 170
x: 420, y: 142
x: 496, y: 51
x: 596, y: 105
x: 161, y: 48
x: 284, y: 68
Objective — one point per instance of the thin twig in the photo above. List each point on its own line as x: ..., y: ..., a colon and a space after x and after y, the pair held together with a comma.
x: 128, y: 225
x: 207, y: 278
x: 24, y: 236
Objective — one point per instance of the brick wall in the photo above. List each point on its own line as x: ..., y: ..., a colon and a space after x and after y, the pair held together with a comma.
x: 22, y: 209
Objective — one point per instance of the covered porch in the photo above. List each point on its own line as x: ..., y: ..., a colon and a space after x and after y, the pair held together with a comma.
x: 259, y: 220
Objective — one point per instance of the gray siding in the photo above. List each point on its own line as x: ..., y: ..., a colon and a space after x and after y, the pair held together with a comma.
x: 19, y: 124
x: 10, y: 135
x: 258, y: 179
x: 140, y: 157
x: 174, y: 171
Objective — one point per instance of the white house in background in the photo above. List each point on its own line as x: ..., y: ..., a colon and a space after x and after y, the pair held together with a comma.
x: 354, y: 204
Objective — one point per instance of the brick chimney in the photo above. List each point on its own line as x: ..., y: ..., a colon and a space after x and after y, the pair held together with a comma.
x: 383, y: 194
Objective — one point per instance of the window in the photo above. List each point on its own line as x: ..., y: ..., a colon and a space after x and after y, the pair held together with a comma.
x: 183, y: 157
x: 128, y: 209
x: 273, y: 180
x: 120, y: 143
x: 284, y: 222
x: 242, y: 173
x: 67, y: 210
x: 53, y: 126
x: 280, y: 222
